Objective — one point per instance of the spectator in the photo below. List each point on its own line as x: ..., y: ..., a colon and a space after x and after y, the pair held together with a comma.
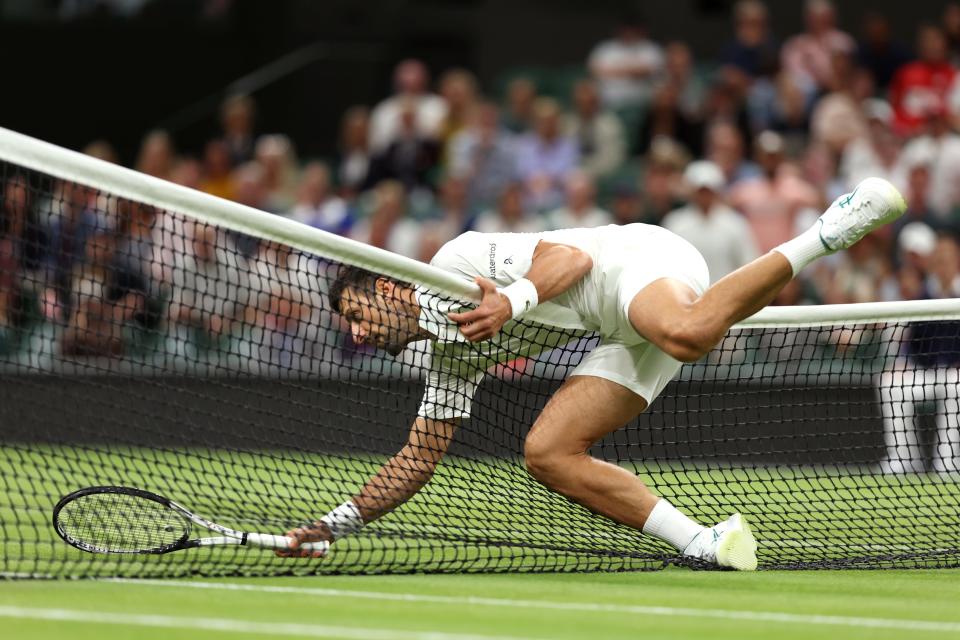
x: 878, y: 52
x: 354, y: 159
x: 14, y: 229
x: 389, y: 120
x: 156, y: 156
x: 237, y: 115
x: 485, y: 156
x: 217, y: 164
x: 721, y: 234
x: 452, y: 215
x: 458, y: 88
x: 925, y: 371
x: 580, y: 209
x: 943, y: 146
x: 838, y: 117
x: 791, y: 115
x: 920, y: 88
x: 599, y: 134
x: 545, y: 157
x: 521, y: 96
x: 772, y: 200
x: 876, y: 152
x: 276, y: 155
x: 666, y: 119
x: 807, y: 57
x: 388, y: 226
x: 102, y: 150
x: 207, y: 284
x: 951, y: 27
x: 627, y: 66
x: 73, y: 222
x: 662, y: 180
x: 626, y: 206
x: 724, y: 147
x: 725, y: 103
x: 918, y: 166
x: 753, y: 52
x: 690, y: 86
x: 250, y: 183
x: 509, y: 215
x: 410, y: 156
x: 316, y: 205
x: 187, y: 172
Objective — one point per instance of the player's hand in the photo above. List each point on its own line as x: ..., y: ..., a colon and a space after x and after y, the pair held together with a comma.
x: 317, y: 532
x: 486, y: 320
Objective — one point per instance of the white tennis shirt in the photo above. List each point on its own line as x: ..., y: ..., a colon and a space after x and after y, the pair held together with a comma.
x: 625, y: 259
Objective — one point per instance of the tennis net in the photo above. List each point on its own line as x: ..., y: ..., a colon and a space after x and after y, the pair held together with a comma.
x: 156, y: 337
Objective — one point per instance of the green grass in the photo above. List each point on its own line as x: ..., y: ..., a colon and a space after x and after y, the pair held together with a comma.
x: 695, y: 605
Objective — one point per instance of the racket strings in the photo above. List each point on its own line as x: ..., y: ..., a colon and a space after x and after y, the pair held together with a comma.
x: 119, y: 523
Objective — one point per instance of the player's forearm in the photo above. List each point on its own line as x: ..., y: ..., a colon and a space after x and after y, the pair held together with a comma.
x: 397, y: 481
x: 556, y: 268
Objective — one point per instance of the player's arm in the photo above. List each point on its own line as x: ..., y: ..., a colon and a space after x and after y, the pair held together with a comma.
x: 396, y: 482
x: 555, y: 268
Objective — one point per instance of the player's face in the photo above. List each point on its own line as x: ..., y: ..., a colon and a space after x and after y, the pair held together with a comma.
x: 379, y: 319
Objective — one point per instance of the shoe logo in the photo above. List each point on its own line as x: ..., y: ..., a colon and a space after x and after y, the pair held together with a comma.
x: 843, y: 202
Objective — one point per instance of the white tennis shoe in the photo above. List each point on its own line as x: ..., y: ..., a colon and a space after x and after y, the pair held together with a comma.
x: 729, y: 544
x: 874, y: 203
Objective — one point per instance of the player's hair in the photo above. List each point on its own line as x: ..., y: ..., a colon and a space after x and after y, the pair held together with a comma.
x: 358, y: 279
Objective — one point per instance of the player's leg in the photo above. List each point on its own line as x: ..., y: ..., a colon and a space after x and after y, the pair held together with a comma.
x: 584, y: 410
x: 945, y: 384
x: 671, y: 315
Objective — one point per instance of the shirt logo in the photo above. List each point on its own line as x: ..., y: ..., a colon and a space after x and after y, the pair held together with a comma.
x: 508, y: 260
x: 493, y: 260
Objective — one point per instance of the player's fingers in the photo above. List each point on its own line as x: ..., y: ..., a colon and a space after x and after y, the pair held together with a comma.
x: 466, y: 316
x: 486, y: 286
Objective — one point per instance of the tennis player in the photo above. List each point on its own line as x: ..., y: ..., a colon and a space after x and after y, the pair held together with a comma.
x: 644, y: 290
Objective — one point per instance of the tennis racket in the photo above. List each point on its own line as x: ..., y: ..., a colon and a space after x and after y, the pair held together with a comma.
x: 127, y: 520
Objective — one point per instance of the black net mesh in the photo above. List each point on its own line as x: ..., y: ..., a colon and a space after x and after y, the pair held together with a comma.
x: 139, y: 347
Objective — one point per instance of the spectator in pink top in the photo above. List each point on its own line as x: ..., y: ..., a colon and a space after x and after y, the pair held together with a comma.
x: 772, y: 200
x: 807, y: 57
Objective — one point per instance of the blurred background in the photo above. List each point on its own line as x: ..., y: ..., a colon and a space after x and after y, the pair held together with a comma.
x: 403, y: 123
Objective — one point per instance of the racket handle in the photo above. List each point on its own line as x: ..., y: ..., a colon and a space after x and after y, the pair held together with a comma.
x: 269, y: 541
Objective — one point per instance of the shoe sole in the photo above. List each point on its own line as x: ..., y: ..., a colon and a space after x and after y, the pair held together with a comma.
x: 737, y: 549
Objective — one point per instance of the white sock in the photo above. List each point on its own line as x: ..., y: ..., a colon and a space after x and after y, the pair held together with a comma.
x: 803, y: 249
x: 671, y: 526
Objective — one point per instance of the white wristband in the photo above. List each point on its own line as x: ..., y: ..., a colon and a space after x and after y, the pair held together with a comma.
x: 343, y: 520
x: 522, y: 295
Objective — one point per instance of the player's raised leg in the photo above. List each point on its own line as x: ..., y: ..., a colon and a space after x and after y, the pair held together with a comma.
x: 584, y: 410
x: 672, y: 316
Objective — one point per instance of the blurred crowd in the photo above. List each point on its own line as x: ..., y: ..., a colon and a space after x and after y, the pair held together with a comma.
x: 737, y: 154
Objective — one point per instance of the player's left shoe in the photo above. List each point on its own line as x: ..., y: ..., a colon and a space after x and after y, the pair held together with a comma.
x: 874, y: 203
x: 729, y: 544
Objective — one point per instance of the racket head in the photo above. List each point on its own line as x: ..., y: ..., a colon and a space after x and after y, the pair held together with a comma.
x: 120, y: 520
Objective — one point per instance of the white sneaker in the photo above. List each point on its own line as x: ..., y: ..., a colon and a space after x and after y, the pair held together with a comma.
x: 874, y: 203
x: 728, y: 544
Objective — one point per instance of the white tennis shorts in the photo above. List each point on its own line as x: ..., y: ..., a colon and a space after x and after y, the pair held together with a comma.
x: 626, y: 357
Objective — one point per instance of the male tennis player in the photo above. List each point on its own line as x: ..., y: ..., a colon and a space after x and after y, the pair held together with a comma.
x: 643, y: 289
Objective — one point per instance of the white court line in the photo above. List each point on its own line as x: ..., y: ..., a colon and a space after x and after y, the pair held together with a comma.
x: 675, y: 612
x: 271, y: 629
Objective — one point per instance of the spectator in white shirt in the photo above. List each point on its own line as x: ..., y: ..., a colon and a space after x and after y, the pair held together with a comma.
x: 389, y: 227
x: 411, y: 81
x: 721, y: 234
x: 627, y: 66
x: 598, y: 133
x: 580, y: 210
x: 876, y: 153
x: 943, y: 145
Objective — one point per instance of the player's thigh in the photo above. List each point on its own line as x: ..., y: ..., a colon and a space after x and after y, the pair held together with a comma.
x: 659, y: 308
x: 582, y: 411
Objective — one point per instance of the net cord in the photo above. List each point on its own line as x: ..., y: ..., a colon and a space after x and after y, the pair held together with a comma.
x: 76, y: 167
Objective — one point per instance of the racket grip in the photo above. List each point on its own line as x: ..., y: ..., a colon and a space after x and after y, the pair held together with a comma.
x: 269, y: 541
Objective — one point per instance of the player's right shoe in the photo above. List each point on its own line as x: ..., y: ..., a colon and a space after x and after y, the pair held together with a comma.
x: 874, y: 203
x: 729, y: 544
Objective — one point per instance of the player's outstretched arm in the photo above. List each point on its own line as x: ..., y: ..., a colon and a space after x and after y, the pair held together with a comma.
x: 396, y: 482
x: 554, y: 269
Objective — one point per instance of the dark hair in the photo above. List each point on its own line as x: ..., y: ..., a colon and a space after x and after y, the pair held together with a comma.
x: 356, y: 278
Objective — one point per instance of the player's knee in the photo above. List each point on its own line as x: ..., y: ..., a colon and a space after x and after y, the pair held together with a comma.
x: 543, y: 461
